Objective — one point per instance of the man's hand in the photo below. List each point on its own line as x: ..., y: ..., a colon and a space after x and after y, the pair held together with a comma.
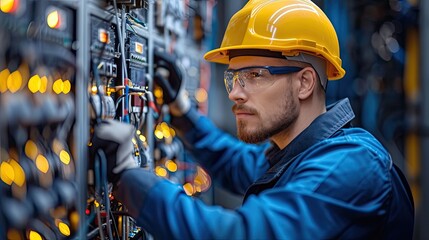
x: 114, y: 139
x: 169, y: 77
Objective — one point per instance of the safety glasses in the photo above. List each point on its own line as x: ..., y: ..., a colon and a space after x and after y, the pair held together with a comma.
x: 255, y: 78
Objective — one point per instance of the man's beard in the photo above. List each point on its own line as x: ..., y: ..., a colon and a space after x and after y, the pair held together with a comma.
x: 285, y: 117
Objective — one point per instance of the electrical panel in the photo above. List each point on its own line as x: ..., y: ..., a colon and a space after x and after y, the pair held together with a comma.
x: 56, y: 84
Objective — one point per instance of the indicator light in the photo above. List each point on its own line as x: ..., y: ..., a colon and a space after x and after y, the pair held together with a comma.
x: 139, y: 47
x: 54, y: 19
x: 9, y: 6
x: 103, y: 36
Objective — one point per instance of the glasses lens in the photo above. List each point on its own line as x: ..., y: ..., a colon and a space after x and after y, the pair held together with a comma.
x: 253, y: 79
x: 228, y: 77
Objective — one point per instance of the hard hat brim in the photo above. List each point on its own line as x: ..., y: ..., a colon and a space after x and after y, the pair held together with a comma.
x: 221, y: 55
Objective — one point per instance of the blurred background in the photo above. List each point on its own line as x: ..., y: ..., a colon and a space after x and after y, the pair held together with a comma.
x: 382, y: 45
x: 65, y: 64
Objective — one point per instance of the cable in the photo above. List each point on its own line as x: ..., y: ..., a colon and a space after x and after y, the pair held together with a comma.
x: 122, y: 47
x: 102, y: 157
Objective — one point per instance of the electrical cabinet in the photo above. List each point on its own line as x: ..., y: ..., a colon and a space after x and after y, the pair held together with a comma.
x: 64, y: 66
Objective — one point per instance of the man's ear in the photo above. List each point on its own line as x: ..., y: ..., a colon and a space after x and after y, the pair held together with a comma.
x: 308, y: 80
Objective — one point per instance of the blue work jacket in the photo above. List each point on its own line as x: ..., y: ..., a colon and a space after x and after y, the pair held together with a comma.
x: 332, y: 181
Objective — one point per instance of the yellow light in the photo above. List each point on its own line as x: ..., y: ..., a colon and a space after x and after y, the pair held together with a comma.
x: 138, y: 132
x: 160, y: 171
x: 58, y: 86
x: 201, y: 95
x: 64, y: 229
x: 54, y: 19
x: 19, y: 173
x: 94, y: 89
x: 96, y: 204
x: 67, y: 87
x: 159, y: 134
x: 64, y: 157
x: 9, y: 6
x: 34, y: 84
x: 171, y: 166
x: 142, y: 138
x: 14, y: 81
x: 158, y: 92
x: 134, y: 141
x: 4, y: 75
x: 43, y: 84
x: 31, y: 149
x: 172, y: 132
x: 166, y: 133
x: 7, y: 173
x: 165, y: 130
x: 42, y: 164
x: 189, y: 189
x: 34, y: 236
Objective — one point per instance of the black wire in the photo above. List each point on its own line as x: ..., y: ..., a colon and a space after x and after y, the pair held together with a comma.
x: 114, y: 224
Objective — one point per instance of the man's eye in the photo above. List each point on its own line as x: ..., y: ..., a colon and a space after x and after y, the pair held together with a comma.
x: 254, y: 74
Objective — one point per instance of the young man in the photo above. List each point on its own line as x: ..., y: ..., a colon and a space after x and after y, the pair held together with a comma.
x: 317, y: 178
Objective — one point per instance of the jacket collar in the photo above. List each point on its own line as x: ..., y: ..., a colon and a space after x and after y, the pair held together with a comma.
x: 337, y: 116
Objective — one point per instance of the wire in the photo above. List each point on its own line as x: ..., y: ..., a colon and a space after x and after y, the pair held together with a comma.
x: 122, y: 47
x: 102, y: 157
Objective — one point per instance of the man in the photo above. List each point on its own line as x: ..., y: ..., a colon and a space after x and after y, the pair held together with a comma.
x: 318, y: 178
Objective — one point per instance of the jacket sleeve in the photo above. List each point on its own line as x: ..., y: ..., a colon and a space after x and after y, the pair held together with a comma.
x: 332, y: 189
x: 229, y: 161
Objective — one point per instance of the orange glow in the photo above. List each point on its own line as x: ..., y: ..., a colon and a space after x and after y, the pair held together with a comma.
x: 53, y: 19
x: 14, y: 234
x: 9, y: 6
x: 139, y: 48
x: 160, y: 171
x: 42, y: 164
x: 189, y: 189
x: 171, y: 166
x: 18, y: 172
x: 201, y: 95
x: 31, y: 149
x: 103, y: 36
x: 7, y: 173
x: 14, y: 81
x: 4, y: 75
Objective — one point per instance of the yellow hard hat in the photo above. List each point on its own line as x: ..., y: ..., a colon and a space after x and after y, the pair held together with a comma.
x: 287, y: 26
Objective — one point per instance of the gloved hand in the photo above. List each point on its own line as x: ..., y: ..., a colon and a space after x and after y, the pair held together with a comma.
x: 114, y: 139
x: 169, y: 77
